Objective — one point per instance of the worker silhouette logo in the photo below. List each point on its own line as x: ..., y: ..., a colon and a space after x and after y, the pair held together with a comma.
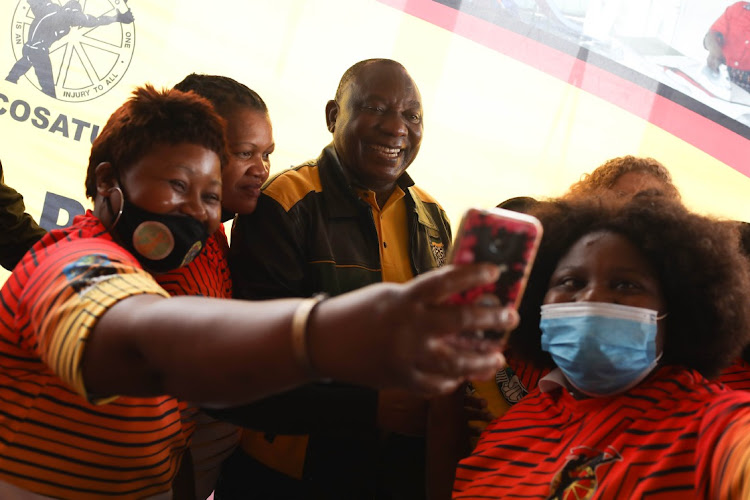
x: 78, y: 50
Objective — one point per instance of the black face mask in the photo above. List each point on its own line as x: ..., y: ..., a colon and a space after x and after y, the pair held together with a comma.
x: 161, y: 243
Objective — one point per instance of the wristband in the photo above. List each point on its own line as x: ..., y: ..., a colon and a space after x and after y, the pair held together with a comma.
x: 299, y: 331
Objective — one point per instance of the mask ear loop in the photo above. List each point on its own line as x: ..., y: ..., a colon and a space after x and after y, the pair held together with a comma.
x: 122, y: 206
x: 658, y: 318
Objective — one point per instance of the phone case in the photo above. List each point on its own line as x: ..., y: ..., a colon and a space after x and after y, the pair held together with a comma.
x: 505, y: 238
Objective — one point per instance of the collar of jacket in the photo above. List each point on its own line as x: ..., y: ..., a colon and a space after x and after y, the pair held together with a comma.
x: 340, y: 196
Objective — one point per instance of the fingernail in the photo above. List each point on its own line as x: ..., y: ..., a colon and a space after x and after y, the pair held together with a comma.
x: 491, y: 272
x: 509, y: 316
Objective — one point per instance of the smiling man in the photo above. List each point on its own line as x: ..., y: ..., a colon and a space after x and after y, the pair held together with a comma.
x: 350, y: 218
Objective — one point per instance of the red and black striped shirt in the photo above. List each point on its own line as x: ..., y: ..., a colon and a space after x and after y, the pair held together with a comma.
x: 206, y: 276
x: 674, y: 436
x: 54, y: 440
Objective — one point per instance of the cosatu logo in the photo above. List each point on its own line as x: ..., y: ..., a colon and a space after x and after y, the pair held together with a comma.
x: 72, y: 50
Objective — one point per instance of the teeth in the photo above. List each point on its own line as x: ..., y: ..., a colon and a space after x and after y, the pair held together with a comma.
x: 392, y: 152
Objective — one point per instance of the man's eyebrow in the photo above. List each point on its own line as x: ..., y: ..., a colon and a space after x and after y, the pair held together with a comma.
x: 379, y: 97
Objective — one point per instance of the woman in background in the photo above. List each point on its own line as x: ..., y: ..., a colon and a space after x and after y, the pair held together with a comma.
x: 250, y: 143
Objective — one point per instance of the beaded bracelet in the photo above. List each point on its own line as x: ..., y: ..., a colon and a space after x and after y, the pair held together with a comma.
x: 299, y: 331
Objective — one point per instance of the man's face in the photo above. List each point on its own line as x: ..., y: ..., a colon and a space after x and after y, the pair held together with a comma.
x: 377, y: 125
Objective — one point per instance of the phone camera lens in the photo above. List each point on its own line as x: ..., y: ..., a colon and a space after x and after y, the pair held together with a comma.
x: 494, y: 246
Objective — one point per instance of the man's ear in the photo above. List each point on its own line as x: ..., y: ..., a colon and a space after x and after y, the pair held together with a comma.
x: 105, y: 178
x: 332, y: 112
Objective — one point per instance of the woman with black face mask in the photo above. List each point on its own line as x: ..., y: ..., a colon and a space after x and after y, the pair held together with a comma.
x: 96, y: 358
x: 634, y: 308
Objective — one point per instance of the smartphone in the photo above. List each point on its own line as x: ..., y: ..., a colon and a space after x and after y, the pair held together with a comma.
x: 505, y: 238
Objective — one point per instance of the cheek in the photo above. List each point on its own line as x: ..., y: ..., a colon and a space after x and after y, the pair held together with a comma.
x: 553, y: 297
x: 357, y: 130
x: 229, y: 180
x: 415, y: 135
x: 231, y: 200
x: 248, y: 206
x: 231, y: 174
x: 227, y: 191
x: 214, y: 219
x: 647, y: 302
x: 660, y: 336
x: 157, y: 200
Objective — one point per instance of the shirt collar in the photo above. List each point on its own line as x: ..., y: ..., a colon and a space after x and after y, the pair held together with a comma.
x: 339, y: 192
x: 553, y: 380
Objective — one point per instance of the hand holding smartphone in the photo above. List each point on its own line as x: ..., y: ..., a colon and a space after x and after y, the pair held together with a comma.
x: 507, y: 239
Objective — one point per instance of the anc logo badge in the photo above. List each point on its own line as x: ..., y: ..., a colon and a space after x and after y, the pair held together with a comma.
x: 78, y: 50
x: 577, y: 479
x: 438, y: 251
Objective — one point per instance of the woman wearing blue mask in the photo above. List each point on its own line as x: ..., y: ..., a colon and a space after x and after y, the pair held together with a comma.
x: 622, y: 177
x: 634, y: 308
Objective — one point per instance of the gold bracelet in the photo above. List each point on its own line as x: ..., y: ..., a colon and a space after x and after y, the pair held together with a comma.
x: 299, y: 331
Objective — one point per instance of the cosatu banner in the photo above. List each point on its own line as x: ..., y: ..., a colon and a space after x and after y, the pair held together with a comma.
x: 520, y: 96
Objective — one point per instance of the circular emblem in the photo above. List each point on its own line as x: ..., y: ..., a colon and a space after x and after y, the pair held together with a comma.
x: 153, y: 240
x: 72, y: 50
x: 192, y: 253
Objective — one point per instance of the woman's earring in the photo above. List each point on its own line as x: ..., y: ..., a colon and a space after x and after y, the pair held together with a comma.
x: 122, y: 206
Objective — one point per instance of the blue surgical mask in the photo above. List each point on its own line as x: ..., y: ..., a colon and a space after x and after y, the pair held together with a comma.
x: 602, y: 349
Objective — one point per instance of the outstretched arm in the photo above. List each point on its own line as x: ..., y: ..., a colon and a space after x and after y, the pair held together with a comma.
x: 88, y: 21
x: 37, y: 7
x: 221, y: 353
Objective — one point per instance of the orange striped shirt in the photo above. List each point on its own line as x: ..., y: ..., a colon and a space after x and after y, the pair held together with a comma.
x: 207, y: 276
x: 54, y: 439
x: 674, y: 436
x: 736, y: 376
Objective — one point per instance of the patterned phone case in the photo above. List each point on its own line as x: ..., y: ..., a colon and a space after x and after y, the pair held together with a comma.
x: 503, y: 237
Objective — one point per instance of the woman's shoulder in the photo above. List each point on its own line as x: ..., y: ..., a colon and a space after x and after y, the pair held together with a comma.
x: 686, y: 390
x: 207, y: 275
